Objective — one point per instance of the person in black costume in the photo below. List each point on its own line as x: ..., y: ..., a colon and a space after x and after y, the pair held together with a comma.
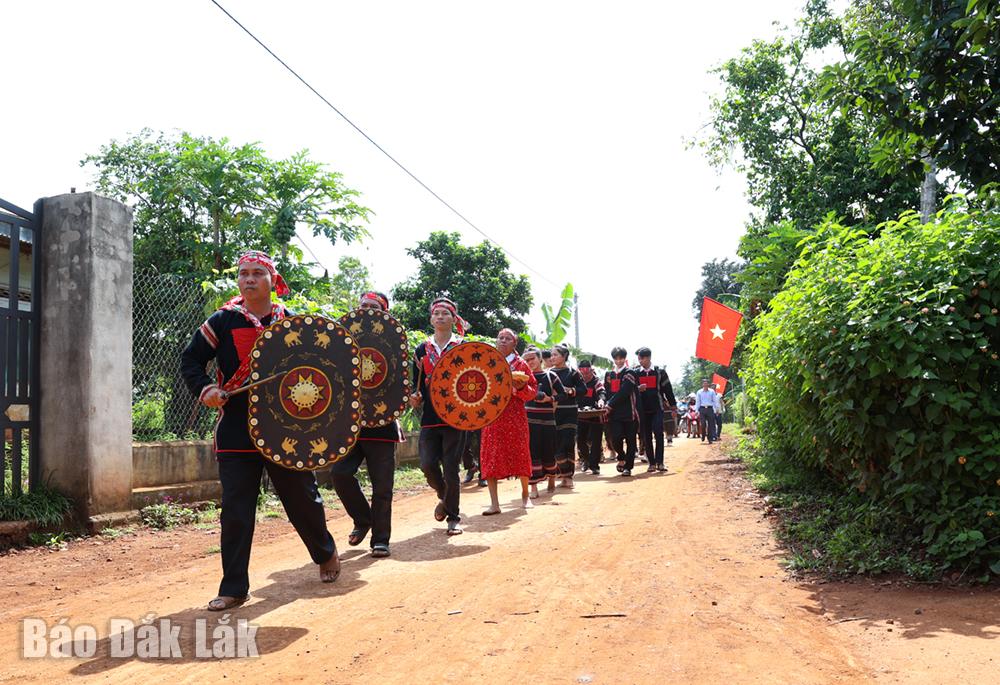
x: 376, y: 447
x: 623, y: 417
x: 228, y: 336
x: 656, y: 396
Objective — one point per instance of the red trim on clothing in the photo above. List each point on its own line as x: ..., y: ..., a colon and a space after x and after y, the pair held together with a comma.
x: 208, y: 333
x: 201, y: 395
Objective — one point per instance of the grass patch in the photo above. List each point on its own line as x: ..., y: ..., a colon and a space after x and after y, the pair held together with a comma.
x: 51, y: 540
x: 167, y: 514
x: 45, y: 506
x: 408, y: 480
x: 828, y: 529
x: 115, y: 533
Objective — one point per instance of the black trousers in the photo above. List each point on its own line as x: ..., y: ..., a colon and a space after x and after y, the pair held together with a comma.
x: 706, y: 420
x: 623, y: 441
x: 590, y: 443
x: 441, y: 449
x: 380, y: 460
x: 650, y: 429
x: 240, y: 476
x: 470, y: 455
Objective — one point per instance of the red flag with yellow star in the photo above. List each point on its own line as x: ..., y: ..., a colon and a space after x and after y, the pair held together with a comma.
x: 720, y: 383
x: 717, y: 334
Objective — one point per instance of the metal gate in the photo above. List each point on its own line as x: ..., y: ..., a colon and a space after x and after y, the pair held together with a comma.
x: 20, y: 327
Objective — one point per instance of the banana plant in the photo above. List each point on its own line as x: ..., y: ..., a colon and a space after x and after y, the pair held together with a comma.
x: 557, y: 323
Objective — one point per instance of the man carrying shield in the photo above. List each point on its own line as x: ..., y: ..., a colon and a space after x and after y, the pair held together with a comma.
x: 376, y: 446
x: 228, y: 336
x: 441, y: 446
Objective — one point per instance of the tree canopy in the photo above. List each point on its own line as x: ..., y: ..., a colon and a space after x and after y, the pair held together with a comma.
x: 924, y: 74
x: 778, y: 122
x: 199, y: 201
x: 477, y: 278
x: 718, y: 281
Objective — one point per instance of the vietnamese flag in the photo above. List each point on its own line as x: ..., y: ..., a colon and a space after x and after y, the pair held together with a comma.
x: 720, y: 383
x: 717, y: 334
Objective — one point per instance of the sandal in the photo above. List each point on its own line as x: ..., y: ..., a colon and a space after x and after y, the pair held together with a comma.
x: 491, y: 512
x: 380, y: 549
x: 358, y: 535
x: 224, y: 603
x: 329, y: 575
x: 439, y: 512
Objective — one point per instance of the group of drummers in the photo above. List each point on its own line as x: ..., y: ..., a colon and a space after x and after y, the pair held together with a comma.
x: 533, y: 412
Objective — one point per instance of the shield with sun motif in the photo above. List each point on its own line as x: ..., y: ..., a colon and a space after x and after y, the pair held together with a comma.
x: 385, y: 377
x: 307, y: 413
x: 471, y: 385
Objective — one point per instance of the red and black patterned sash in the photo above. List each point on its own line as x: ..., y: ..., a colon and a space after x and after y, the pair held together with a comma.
x: 242, y: 349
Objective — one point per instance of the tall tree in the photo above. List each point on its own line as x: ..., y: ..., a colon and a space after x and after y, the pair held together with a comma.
x: 199, y: 200
x: 718, y: 282
x: 350, y: 281
x: 777, y: 122
x: 925, y: 74
x: 478, y: 278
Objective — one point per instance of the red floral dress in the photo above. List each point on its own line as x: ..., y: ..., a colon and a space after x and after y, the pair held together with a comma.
x: 504, y: 448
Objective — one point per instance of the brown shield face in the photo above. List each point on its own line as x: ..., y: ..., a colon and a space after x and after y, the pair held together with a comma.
x: 308, y: 416
x: 385, y: 378
x: 471, y: 385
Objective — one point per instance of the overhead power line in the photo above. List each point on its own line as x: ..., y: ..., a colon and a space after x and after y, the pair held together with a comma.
x: 379, y: 147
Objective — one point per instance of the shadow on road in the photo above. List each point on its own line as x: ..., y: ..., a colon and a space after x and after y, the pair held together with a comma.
x: 287, y: 586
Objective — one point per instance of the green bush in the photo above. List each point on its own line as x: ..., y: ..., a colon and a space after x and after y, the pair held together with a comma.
x: 878, y: 364
x: 148, y: 422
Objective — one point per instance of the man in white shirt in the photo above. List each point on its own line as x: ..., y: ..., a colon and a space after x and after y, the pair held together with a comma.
x: 706, y: 400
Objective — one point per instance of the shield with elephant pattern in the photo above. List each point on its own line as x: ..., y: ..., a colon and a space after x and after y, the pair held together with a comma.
x: 309, y: 414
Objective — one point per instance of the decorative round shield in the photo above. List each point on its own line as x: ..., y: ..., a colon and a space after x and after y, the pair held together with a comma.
x: 471, y: 385
x: 307, y: 416
x: 385, y: 377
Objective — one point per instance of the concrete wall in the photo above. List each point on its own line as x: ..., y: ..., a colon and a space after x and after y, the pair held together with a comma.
x: 169, y: 463
x: 186, y: 470
x: 86, y: 350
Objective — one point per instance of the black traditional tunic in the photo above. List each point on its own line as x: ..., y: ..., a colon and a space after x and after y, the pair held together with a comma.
x: 227, y: 337
x: 542, y: 429
x: 566, y: 408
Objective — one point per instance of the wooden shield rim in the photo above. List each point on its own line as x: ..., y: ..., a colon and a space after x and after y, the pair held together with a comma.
x: 405, y: 347
x: 436, y: 382
x: 307, y: 464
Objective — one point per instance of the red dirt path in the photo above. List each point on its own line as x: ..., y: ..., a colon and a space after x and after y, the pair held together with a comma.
x: 687, y: 557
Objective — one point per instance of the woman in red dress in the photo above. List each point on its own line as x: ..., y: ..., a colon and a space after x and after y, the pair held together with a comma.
x: 504, y: 450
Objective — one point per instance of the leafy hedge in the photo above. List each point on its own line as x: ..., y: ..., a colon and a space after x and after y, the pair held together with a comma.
x: 878, y: 363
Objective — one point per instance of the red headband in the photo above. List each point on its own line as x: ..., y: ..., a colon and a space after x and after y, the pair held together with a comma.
x: 461, y: 325
x: 257, y: 257
x: 376, y: 298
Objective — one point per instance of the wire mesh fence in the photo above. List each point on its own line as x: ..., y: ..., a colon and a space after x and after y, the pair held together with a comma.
x: 167, y: 309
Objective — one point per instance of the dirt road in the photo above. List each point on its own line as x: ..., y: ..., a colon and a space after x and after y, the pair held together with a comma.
x: 663, y: 578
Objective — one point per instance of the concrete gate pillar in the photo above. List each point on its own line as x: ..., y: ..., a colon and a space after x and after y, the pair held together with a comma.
x: 86, y: 352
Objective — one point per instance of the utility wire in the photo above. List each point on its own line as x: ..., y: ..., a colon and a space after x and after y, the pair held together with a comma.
x: 308, y: 249
x: 379, y: 147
